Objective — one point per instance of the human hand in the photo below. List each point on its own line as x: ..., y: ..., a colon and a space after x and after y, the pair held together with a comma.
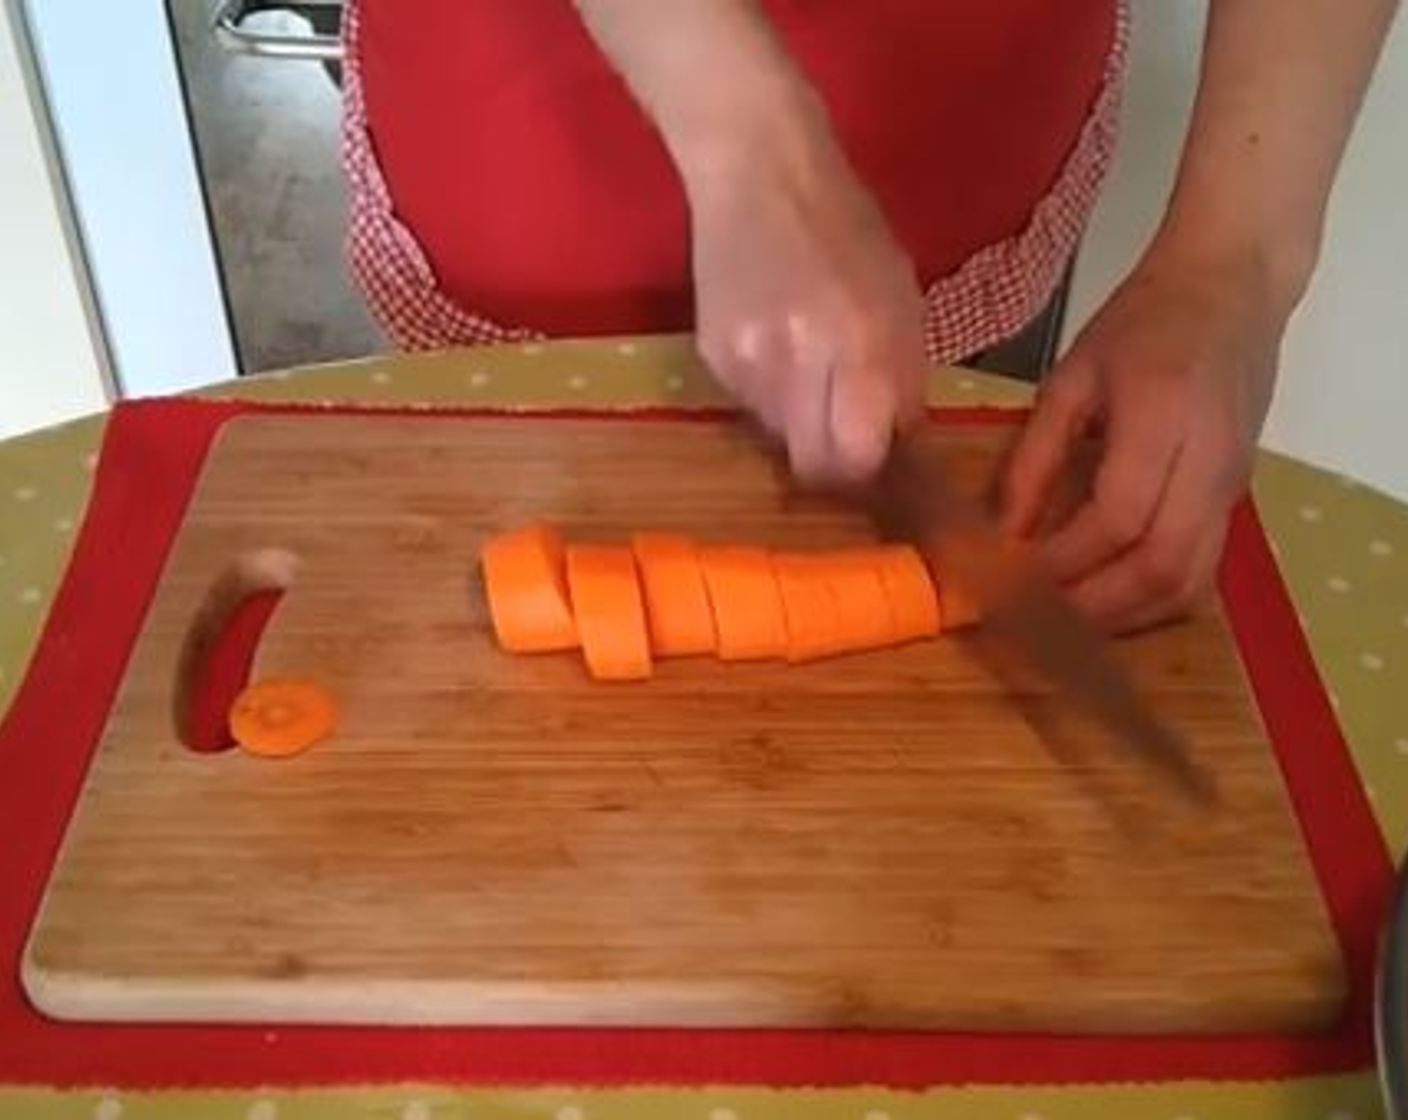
x: 1175, y: 374
x: 806, y: 308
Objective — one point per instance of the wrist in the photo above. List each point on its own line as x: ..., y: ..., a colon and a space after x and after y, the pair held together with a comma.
x: 1277, y: 260
x: 776, y: 129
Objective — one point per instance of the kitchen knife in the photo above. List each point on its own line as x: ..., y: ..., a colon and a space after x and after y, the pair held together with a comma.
x: 1027, y: 620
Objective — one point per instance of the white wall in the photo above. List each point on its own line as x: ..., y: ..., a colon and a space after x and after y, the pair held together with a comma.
x: 113, y: 88
x: 1342, y: 400
x: 49, y: 359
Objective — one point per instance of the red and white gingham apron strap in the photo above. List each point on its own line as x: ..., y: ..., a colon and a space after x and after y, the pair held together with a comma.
x: 1004, y: 286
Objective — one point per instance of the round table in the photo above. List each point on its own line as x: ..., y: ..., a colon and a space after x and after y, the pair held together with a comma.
x: 1342, y: 548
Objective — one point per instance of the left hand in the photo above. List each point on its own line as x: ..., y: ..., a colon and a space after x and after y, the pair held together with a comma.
x: 1176, y: 374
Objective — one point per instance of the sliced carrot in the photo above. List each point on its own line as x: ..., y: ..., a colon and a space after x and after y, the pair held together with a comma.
x: 677, y: 610
x: 746, y: 601
x: 525, y: 581
x: 863, y: 617
x: 808, y: 605
x: 957, y: 609
x: 909, y: 589
x: 610, y: 615
x: 281, y: 716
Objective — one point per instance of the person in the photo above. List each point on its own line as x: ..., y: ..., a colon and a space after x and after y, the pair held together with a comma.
x: 833, y: 194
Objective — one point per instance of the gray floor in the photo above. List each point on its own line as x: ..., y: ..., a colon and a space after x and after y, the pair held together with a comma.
x: 267, y: 133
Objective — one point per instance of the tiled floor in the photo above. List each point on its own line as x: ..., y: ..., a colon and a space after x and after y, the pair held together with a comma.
x: 267, y: 133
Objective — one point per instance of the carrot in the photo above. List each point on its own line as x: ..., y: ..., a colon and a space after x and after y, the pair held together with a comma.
x: 606, y: 599
x: 746, y: 601
x: 808, y: 606
x: 527, y: 590
x: 957, y: 609
x: 909, y: 589
x: 282, y: 716
x: 863, y: 616
x: 677, y: 610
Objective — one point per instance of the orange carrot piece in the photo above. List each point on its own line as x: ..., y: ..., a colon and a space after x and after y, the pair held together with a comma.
x: 610, y: 615
x: 914, y: 604
x: 677, y: 610
x: 957, y: 609
x: 808, y: 606
x: 862, y: 609
x: 526, y: 585
x: 282, y: 716
x: 746, y: 601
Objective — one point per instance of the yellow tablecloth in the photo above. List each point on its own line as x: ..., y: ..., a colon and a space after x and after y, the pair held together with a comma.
x: 1342, y: 547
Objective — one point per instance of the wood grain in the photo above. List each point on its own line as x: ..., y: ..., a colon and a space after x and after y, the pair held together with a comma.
x: 879, y: 840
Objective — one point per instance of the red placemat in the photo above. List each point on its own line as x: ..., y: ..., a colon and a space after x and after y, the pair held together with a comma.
x: 150, y: 461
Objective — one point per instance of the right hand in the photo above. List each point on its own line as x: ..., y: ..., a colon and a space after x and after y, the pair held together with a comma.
x: 807, y: 310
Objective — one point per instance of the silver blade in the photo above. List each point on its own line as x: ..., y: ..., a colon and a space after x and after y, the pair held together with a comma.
x: 1026, y: 616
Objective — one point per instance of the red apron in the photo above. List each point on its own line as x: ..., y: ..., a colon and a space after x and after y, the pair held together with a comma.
x: 506, y: 186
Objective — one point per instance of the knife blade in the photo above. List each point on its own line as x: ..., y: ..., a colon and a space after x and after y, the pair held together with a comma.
x: 1025, y: 613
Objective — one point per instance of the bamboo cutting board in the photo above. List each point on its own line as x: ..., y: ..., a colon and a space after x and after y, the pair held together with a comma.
x: 879, y: 840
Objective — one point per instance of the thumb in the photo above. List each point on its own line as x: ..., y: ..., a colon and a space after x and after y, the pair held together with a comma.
x: 863, y: 409
x: 1064, y: 406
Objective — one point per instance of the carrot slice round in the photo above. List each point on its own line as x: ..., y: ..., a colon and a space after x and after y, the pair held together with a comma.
x: 746, y: 601
x: 914, y: 604
x: 282, y: 716
x: 808, y: 606
x: 863, y: 616
x: 610, y: 615
x: 526, y: 585
x: 677, y: 611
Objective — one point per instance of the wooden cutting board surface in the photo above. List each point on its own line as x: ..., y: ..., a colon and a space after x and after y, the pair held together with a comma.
x: 877, y: 840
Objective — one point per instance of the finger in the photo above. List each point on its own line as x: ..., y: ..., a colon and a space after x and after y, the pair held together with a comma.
x: 910, y: 388
x: 863, y: 408
x: 1165, y: 610
x: 1064, y: 406
x: 1172, y: 565
x: 806, y: 412
x: 1142, y: 447
x: 1138, y: 611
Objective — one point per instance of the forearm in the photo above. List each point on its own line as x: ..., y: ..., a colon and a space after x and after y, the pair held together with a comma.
x: 1282, y: 81
x: 713, y: 78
